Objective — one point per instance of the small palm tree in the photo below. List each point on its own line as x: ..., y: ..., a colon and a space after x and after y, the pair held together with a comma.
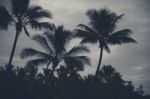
x: 101, y: 29
x: 54, y: 43
x: 21, y: 15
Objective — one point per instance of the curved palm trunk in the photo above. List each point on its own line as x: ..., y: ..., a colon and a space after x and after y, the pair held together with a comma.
x: 99, y: 63
x: 13, y: 49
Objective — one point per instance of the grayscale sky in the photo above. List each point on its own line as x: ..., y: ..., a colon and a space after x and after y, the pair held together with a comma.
x: 131, y: 60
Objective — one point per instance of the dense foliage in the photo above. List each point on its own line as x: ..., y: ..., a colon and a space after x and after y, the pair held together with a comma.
x: 25, y: 83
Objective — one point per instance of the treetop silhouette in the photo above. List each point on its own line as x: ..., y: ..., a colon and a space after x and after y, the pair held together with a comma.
x: 101, y: 29
x: 21, y: 15
x: 54, y: 52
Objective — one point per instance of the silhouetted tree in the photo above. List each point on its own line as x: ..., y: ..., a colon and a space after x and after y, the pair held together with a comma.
x: 21, y: 15
x: 102, y: 29
x: 24, y: 83
x: 139, y: 90
x: 54, y: 43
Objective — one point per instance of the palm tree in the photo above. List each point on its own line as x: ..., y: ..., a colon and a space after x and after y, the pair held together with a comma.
x: 55, y: 43
x: 22, y: 15
x: 102, y: 30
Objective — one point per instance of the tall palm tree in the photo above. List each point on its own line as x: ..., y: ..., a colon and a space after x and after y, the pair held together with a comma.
x: 55, y: 43
x: 102, y: 30
x: 21, y: 15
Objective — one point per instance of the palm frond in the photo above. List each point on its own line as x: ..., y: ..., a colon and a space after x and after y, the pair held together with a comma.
x: 36, y: 62
x: 93, y: 15
x: 34, y: 8
x: 36, y: 12
x: 121, y: 40
x: 118, y: 18
x: 83, y: 33
x: 28, y: 52
x: 77, y: 62
x: 39, y: 25
x: 102, y: 20
x: 41, y: 40
x: 63, y: 35
x: 106, y: 48
x: 62, y: 38
x: 84, y: 59
x: 5, y: 18
x: 89, y: 39
x: 26, y: 31
x: 50, y: 37
x: 19, y: 7
x: 78, y: 49
x: 86, y: 28
x: 122, y: 33
x: 95, y: 19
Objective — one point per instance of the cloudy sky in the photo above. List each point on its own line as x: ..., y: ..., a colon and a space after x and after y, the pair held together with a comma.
x: 131, y: 60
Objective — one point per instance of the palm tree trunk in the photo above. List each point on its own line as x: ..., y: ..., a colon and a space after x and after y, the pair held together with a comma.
x: 99, y: 63
x: 13, y: 49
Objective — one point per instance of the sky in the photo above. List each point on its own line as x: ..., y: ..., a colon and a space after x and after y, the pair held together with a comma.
x: 131, y: 60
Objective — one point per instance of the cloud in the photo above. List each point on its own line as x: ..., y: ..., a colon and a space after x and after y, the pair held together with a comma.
x: 5, y: 3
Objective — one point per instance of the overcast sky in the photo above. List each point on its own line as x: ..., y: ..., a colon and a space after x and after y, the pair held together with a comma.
x: 131, y: 60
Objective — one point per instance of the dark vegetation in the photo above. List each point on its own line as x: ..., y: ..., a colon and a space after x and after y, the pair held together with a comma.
x: 60, y: 78
x: 25, y: 83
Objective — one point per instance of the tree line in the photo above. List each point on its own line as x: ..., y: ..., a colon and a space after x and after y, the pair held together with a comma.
x: 28, y: 83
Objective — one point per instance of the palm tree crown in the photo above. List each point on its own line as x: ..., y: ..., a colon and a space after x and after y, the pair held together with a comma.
x: 101, y: 29
x: 21, y: 15
x: 54, y: 43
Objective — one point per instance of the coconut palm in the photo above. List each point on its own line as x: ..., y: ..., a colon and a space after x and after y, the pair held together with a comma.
x: 54, y: 44
x: 102, y: 30
x: 22, y: 15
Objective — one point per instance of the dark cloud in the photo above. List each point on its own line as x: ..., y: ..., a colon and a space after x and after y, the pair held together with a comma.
x: 2, y: 2
x: 5, y: 2
x: 145, y: 4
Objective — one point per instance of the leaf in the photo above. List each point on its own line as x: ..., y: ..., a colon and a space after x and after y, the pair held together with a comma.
x: 41, y: 40
x: 122, y: 33
x: 40, y: 25
x: 26, y: 32
x: 77, y: 62
x: 36, y: 12
x: 86, y: 28
x: 77, y: 49
x: 28, y: 52
x: 19, y: 7
x: 121, y: 40
x: 5, y: 18
x: 36, y: 62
